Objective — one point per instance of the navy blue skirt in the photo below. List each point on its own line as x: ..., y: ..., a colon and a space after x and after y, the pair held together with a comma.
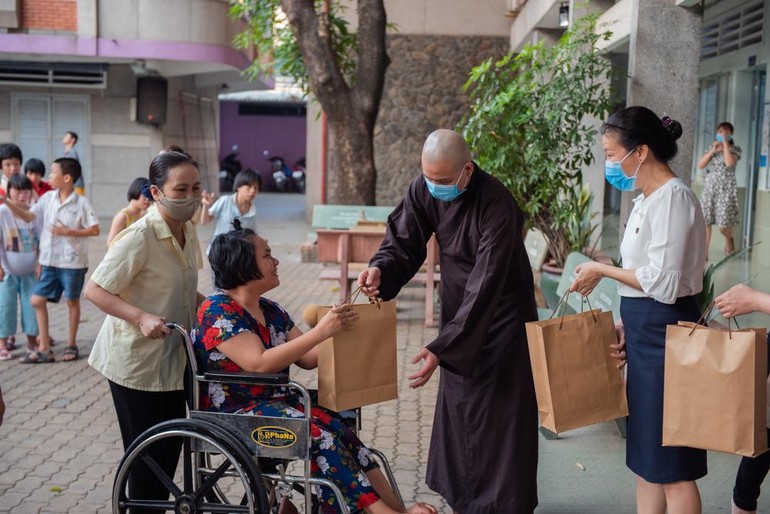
x: 645, y: 321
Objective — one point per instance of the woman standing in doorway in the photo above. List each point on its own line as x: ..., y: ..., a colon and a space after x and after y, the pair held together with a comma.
x: 720, y: 194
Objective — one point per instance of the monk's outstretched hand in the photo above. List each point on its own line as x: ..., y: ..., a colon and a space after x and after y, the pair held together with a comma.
x: 422, y: 376
x: 369, y: 280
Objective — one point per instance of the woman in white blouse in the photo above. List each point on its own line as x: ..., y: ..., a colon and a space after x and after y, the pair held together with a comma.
x: 664, y: 254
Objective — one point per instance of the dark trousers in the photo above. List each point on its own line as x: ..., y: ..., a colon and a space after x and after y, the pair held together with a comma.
x: 748, y: 482
x: 752, y: 471
x: 137, y: 411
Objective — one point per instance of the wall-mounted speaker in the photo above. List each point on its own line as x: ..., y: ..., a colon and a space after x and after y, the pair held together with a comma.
x: 151, y: 94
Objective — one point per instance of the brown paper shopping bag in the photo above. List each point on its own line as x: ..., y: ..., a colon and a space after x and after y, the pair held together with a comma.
x: 358, y: 366
x: 577, y: 382
x: 714, y: 394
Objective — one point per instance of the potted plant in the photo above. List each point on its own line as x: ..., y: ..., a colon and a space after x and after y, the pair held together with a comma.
x: 530, y: 126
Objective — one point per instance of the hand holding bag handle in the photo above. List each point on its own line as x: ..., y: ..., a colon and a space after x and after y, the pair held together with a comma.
x: 563, y: 301
x: 703, y: 321
x: 351, y: 299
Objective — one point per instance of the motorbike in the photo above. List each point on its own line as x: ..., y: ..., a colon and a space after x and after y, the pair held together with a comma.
x: 228, y: 169
x: 282, y: 174
x: 298, y: 175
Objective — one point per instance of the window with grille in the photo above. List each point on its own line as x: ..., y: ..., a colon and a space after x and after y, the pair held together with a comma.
x: 736, y: 29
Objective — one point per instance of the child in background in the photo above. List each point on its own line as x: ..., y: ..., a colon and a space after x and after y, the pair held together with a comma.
x: 34, y: 169
x: 19, y: 241
x: 10, y: 162
x: 68, y: 220
x: 138, y: 203
x: 240, y: 205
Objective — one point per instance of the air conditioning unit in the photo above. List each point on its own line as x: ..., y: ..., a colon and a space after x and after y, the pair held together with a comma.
x: 514, y: 7
x: 79, y: 75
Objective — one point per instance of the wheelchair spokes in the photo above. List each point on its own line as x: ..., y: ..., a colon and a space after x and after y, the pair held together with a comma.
x: 229, y: 477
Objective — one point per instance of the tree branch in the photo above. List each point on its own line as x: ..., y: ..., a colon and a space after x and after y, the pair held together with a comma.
x: 373, y: 58
x: 325, y: 79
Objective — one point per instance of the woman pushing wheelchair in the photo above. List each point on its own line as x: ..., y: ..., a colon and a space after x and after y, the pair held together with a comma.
x: 240, y: 330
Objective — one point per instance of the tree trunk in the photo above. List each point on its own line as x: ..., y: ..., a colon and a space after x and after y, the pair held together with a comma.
x: 355, y: 177
x: 352, y: 110
x: 558, y: 246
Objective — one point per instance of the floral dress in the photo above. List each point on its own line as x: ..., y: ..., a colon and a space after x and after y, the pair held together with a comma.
x: 720, y: 194
x: 337, y: 454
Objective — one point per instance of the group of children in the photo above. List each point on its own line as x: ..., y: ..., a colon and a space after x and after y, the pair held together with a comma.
x: 43, y: 242
x: 43, y: 251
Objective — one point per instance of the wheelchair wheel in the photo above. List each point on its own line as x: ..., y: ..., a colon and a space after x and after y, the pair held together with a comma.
x: 217, y: 474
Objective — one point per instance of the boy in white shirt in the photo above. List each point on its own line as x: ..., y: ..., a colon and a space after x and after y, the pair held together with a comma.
x: 68, y: 220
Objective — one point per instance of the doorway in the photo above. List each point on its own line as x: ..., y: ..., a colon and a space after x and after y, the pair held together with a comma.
x: 40, y: 121
x: 754, y: 152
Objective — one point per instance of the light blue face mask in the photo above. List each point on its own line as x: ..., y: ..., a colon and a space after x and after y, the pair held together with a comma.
x: 445, y: 192
x: 720, y: 139
x: 613, y: 172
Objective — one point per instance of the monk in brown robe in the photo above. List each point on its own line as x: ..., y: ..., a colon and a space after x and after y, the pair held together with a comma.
x: 483, y: 451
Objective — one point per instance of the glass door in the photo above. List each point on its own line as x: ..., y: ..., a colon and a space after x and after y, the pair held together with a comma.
x: 754, y: 151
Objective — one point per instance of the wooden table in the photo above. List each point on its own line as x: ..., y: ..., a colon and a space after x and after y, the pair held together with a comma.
x: 346, y: 247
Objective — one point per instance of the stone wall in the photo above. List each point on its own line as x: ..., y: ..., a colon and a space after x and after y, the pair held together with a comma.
x: 423, y: 92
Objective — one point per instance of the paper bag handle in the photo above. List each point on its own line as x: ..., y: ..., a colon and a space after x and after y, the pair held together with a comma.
x: 704, y: 317
x: 351, y: 299
x: 564, y: 308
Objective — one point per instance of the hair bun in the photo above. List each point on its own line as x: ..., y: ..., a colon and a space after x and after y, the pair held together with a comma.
x: 236, y: 224
x: 673, y: 127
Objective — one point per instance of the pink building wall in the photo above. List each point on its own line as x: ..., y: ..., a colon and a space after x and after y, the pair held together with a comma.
x: 279, y: 135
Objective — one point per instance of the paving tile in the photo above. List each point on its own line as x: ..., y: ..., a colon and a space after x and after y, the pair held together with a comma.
x: 60, y: 429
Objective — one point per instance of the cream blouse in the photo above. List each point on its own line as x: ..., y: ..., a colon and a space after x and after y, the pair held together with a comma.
x: 665, y: 242
x: 148, y: 268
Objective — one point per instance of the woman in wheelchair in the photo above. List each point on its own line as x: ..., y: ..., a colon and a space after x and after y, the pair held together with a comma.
x: 240, y: 330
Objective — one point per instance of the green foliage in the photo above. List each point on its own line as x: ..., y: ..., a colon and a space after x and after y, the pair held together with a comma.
x: 276, y: 45
x: 529, y: 127
x: 706, y: 296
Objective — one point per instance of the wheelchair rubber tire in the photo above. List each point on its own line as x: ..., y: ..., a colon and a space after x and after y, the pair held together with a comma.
x: 206, y: 432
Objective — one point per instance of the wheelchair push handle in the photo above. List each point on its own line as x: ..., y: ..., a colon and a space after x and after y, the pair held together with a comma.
x: 177, y: 326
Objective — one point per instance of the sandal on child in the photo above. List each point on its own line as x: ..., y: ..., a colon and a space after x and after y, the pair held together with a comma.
x: 5, y: 355
x: 37, y: 357
x: 71, y: 354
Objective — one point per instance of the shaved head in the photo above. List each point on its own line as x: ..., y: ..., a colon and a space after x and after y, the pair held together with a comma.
x: 448, y: 146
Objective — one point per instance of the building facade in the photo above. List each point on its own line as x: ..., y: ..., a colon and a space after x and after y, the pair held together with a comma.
x: 432, y: 47
x: 700, y: 62
x: 75, y: 65
x: 732, y: 87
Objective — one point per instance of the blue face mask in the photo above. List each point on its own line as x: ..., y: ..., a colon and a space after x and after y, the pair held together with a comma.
x: 720, y: 139
x: 613, y: 172
x: 444, y: 192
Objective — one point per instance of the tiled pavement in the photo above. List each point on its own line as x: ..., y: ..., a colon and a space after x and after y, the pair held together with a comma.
x: 60, y: 444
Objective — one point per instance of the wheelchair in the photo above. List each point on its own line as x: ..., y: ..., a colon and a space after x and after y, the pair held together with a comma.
x: 231, y: 463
